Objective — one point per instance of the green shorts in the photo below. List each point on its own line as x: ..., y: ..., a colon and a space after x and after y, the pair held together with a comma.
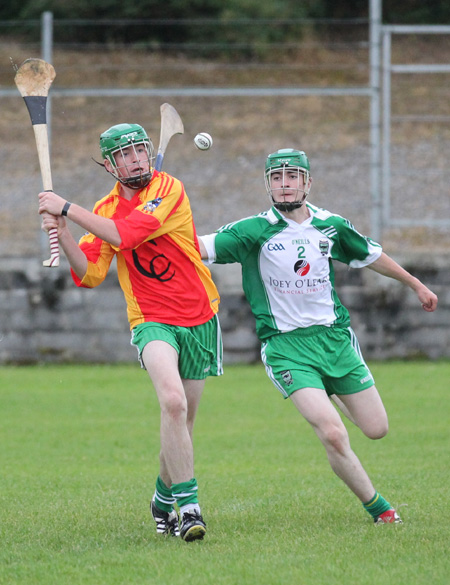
x: 199, y: 348
x: 316, y: 357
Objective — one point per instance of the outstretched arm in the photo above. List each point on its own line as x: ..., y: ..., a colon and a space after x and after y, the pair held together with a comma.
x: 388, y: 267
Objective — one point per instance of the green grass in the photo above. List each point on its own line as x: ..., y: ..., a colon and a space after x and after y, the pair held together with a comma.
x: 78, y: 459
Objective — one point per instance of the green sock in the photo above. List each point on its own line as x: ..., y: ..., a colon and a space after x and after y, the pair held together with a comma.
x: 185, y: 492
x: 377, y: 505
x: 163, y: 496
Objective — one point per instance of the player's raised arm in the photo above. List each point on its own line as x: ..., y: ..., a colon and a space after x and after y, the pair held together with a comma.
x: 386, y: 266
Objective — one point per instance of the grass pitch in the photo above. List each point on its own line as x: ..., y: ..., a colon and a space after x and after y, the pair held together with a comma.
x: 78, y: 460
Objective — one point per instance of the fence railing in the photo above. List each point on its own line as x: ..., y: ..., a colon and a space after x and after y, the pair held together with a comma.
x: 363, y: 67
x: 390, y: 69
x: 352, y: 57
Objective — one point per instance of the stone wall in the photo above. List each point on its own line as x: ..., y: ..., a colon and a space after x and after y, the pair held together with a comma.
x: 44, y: 317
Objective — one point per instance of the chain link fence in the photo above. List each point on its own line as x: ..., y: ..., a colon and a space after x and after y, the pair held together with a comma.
x: 309, y: 90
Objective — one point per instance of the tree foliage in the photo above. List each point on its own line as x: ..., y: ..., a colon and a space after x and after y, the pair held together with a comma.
x: 225, y: 11
x: 398, y: 12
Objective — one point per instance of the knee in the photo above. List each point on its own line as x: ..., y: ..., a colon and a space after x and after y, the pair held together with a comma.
x: 378, y: 430
x: 173, y: 404
x: 375, y: 427
x: 335, y: 438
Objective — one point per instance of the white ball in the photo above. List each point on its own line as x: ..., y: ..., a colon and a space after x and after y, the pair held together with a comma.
x: 203, y: 141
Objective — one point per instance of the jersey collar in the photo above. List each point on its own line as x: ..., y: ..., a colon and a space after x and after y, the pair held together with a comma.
x: 274, y: 216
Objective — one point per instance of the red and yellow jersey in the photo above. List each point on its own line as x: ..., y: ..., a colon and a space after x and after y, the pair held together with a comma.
x: 158, y: 261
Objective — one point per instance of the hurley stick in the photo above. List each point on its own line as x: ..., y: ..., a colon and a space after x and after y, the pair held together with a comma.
x: 171, y: 124
x: 33, y: 80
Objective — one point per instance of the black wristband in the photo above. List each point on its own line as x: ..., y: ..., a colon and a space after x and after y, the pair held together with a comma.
x: 66, y: 208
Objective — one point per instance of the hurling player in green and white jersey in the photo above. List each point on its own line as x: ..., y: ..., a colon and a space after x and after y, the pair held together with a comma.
x: 308, y: 348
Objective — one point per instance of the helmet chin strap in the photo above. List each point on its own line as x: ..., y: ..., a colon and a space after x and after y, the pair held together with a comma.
x: 135, y: 183
x: 138, y: 182
x: 289, y: 206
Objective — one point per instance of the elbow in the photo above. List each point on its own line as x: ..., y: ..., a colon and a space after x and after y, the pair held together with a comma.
x: 117, y: 243
x: 114, y: 236
x: 116, y: 239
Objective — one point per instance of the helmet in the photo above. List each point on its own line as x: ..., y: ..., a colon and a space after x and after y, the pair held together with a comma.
x: 280, y: 161
x: 122, y: 136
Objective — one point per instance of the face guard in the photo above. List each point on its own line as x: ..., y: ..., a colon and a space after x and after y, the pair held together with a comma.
x: 293, y: 165
x: 122, y: 136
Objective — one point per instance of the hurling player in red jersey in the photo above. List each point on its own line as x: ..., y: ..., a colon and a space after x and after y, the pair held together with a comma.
x: 146, y: 223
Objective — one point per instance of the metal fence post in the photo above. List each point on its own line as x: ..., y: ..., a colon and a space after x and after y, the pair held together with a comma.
x: 46, y: 53
x: 375, y: 10
x: 386, y: 156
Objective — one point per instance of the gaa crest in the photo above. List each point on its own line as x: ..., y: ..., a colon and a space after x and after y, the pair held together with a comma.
x: 324, y: 246
x: 150, y: 206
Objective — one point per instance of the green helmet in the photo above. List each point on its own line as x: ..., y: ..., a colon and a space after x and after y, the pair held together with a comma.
x: 122, y: 136
x: 281, y: 161
x: 287, y: 157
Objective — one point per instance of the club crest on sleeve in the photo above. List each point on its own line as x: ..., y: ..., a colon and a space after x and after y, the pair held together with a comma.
x: 324, y: 246
x: 287, y: 377
x: 150, y: 206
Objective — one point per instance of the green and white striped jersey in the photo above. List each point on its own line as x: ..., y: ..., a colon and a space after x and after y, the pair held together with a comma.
x: 287, y: 270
